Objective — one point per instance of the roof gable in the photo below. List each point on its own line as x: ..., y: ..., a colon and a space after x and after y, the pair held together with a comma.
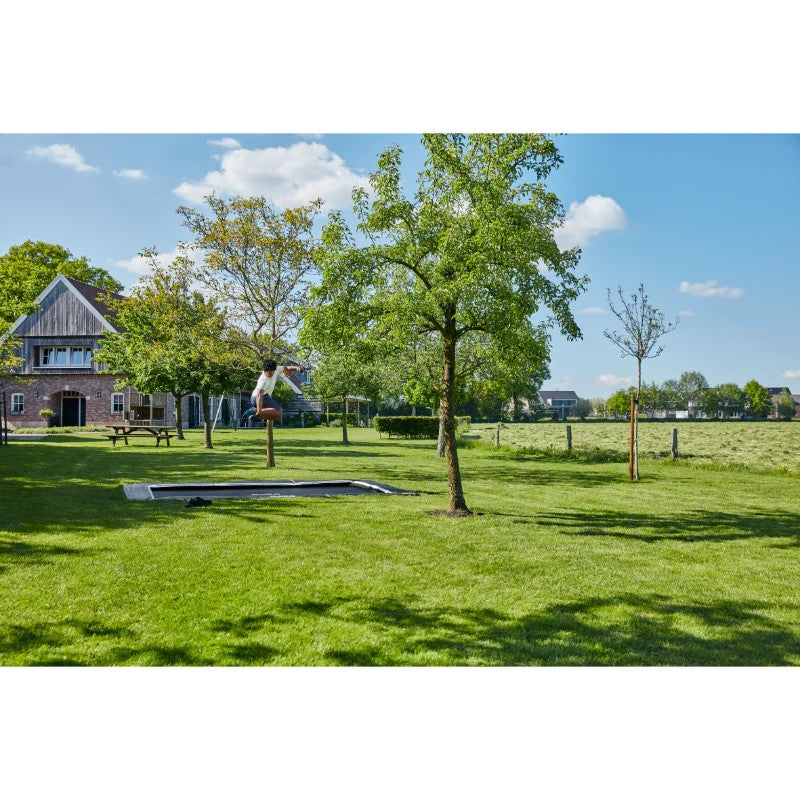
x: 86, y: 295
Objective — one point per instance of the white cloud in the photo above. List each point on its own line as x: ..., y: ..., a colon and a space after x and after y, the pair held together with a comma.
x: 227, y: 142
x: 791, y: 373
x: 593, y: 310
x: 64, y: 155
x: 585, y: 220
x: 614, y: 380
x: 286, y: 175
x: 686, y: 313
x: 710, y: 289
x: 134, y: 174
x: 139, y: 265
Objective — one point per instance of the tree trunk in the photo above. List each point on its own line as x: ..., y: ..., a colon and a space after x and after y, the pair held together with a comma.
x: 270, y: 445
x: 458, y: 505
x: 440, y: 443
x: 344, y: 424
x: 179, y: 416
x: 206, y: 422
x: 636, y: 421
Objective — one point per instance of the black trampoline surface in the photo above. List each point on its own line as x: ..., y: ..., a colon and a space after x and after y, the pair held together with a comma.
x: 256, y: 489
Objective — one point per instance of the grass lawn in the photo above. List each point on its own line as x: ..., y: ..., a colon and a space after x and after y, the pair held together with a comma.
x: 758, y: 445
x: 564, y: 563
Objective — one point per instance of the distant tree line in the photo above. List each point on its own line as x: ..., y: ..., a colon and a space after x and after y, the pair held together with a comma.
x: 692, y: 392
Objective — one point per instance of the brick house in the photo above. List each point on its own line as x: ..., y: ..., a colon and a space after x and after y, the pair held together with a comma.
x: 59, y: 340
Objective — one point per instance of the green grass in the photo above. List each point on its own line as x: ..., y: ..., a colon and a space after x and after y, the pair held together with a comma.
x: 564, y: 563
x: 763, y: 446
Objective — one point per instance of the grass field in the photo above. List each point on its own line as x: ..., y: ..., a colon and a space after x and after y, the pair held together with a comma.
x: 756, y: 445
x: 564, y: 563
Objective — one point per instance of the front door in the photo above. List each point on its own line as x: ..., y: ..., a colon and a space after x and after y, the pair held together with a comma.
x: 193, y: 412
x: 73, y: 411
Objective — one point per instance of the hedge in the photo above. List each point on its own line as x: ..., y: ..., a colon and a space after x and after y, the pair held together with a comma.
x: 409, y: 427
x: 415, y: 427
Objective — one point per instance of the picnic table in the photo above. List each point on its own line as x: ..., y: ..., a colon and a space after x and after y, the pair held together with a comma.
x: 124, y: 432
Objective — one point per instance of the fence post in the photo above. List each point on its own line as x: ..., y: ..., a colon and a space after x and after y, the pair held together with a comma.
x: 569, y: 438
x: 674, y: 443
x: 3, y: 423
x: 497, y: 436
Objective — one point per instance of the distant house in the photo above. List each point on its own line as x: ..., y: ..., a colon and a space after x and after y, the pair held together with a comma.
x: 775, y: 392
x: 59, y: 340
x: 561, y: 401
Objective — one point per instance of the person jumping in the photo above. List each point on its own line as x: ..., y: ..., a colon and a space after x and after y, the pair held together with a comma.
x: 265, y: 407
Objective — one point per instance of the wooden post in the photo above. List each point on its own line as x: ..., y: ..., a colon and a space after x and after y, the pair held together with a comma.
x: 270, y: 448
x: 327, y: 415
x: 497, y: 436
x: 630, y: 458
x: 569, y: 438
x: 674, y: 443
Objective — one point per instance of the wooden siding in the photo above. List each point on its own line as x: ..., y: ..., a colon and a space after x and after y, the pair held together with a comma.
x: 29, y: 345
x: 62, y: 314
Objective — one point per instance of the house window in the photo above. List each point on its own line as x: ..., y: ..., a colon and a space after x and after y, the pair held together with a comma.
x: 65, y: 356
x: 17, y: 403
x: 117, y: 403
x: 98, y: 394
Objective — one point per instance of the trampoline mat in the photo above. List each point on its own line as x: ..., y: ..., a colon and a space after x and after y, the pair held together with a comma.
x: 256, y: 489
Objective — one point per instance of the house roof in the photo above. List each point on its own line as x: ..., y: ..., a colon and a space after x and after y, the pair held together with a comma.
x: 559, y: 395
x: 93, y: 294
x: 89, y: 295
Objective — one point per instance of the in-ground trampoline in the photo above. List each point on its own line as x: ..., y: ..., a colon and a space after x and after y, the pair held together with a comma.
x: 255, y: 489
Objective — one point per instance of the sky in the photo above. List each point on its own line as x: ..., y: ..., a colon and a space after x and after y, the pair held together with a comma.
x: 708, y: 223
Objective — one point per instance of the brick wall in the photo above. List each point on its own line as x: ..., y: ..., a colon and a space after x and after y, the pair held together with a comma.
x: 49, y: 389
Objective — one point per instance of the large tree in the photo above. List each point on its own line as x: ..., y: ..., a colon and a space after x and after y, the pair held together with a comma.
x: 642, y: 326
x: 259, y: 262
x: 26, y: 270
x: 471, y: 250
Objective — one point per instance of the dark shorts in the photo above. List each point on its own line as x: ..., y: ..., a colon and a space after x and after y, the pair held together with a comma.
x: 266, y: 402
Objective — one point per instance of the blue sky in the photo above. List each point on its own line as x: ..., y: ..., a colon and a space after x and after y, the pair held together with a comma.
x: 709, y: 224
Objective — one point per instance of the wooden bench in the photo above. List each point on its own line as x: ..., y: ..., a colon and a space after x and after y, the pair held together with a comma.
x: 158, y: 437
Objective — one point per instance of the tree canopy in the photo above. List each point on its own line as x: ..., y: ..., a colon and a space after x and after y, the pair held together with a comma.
x: 26, y: 270
x: 471, y: 250
x: 172, y: 339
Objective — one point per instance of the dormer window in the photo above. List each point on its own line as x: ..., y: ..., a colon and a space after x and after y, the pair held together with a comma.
x: 65, y: 356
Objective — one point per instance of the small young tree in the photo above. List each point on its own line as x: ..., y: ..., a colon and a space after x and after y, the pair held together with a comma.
x: 642, y: 326
x: 472, y: 249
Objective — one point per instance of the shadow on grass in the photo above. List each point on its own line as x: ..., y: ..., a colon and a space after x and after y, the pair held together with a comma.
x: 51, y: 644
x: 18, y: 552
x: 624, y: 630
x: 696, y: 526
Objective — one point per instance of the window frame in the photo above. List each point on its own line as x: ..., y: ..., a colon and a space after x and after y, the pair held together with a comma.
x: 114, y: 395
x: 48, y: 356
x: 21, y: 409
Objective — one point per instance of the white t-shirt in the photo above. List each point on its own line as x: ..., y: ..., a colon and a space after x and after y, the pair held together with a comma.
x: 266, y: 385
